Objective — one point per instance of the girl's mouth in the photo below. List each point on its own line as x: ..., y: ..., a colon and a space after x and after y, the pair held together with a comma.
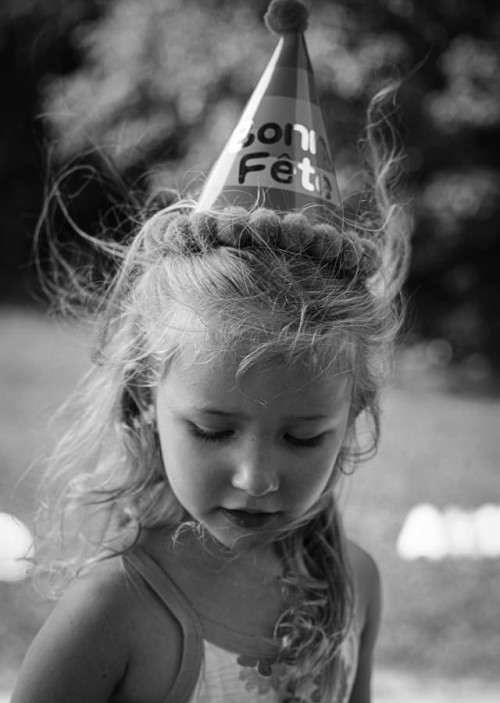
x: 250, y: 520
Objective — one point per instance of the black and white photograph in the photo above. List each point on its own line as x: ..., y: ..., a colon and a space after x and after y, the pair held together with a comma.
x: 250, y: 351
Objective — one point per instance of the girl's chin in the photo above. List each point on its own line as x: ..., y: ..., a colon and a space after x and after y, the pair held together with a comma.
x: 237, y: 529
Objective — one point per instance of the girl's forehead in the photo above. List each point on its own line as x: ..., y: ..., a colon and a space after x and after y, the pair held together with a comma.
x: 220, y: 380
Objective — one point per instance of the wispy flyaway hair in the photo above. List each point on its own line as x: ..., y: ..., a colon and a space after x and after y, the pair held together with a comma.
x: 258, y: 285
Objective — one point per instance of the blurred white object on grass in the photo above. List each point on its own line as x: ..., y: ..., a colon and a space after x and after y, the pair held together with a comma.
x: 16, y: 546
x: 430, y: 533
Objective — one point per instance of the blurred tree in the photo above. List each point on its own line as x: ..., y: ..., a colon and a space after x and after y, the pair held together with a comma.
x: 157, y: 85
x: 36, y: 44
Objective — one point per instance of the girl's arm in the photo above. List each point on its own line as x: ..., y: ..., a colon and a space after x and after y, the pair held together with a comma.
x: 368, y: 589
x: 80, y: 655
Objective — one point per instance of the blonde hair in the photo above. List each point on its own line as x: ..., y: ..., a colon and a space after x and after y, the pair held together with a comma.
x: 259, y: 285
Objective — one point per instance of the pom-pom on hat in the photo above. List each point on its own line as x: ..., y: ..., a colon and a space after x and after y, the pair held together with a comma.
x: 278, y: 155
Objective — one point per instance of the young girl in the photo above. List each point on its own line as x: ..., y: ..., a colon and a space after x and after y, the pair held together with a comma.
x: 197, y: 528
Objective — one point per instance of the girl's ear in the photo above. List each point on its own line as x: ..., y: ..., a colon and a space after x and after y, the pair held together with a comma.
x: 137, y: 403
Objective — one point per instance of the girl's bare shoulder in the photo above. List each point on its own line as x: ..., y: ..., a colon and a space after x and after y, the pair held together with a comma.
x: 100, y: 641
x: 366, y: 580
x: 106, y: 599
x: 367, y: 583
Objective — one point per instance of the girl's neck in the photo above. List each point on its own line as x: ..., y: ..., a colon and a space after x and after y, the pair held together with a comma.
x: 204, y: 556
x: 240, y: 590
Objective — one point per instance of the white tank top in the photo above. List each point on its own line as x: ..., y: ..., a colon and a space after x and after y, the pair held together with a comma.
x: 221, y: 665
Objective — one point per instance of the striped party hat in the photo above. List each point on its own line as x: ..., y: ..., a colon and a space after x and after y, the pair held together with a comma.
x: 278, y: 155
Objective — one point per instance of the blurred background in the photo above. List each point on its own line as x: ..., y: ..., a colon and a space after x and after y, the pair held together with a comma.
x: 127, y: 98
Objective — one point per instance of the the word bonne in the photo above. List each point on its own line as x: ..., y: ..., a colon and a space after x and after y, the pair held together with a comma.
x: 289, y: 134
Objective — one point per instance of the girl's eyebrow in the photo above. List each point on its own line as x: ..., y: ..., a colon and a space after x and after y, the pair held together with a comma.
x: 208, y: 410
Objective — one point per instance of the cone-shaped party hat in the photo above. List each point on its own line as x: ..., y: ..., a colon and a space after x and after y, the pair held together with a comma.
x: 278, y: 155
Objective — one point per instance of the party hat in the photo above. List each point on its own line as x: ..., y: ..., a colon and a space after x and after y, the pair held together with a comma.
x: 278, y: 155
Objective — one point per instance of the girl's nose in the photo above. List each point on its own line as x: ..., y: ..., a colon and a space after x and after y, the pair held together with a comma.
x: 255, y: 474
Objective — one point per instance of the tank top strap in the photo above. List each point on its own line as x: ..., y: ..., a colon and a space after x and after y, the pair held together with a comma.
x: 177, y: 604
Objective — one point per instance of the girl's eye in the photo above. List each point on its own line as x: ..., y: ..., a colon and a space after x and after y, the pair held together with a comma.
x: 209, y: 436
x: 306, y: 441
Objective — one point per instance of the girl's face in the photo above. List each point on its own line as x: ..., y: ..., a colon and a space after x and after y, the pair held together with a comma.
x: 242, y: 455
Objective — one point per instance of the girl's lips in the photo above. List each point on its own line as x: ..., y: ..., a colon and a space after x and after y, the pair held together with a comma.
x: 248, y: 519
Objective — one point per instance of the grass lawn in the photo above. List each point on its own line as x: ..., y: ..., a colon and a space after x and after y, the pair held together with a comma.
x: 441, y: 618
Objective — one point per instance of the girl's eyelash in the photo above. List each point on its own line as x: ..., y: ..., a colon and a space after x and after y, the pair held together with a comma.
x: 307, y: 442
x: 206, y: 436
x: 209, y: 436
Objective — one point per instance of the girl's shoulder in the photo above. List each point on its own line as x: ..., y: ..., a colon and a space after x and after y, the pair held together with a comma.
x: 81, y: 651
x: 366, y: 580
x: 149, y: 632
x: 361, y: 561
x: 102, y: 640
x: 367, y: 584
x: 106, y: 598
